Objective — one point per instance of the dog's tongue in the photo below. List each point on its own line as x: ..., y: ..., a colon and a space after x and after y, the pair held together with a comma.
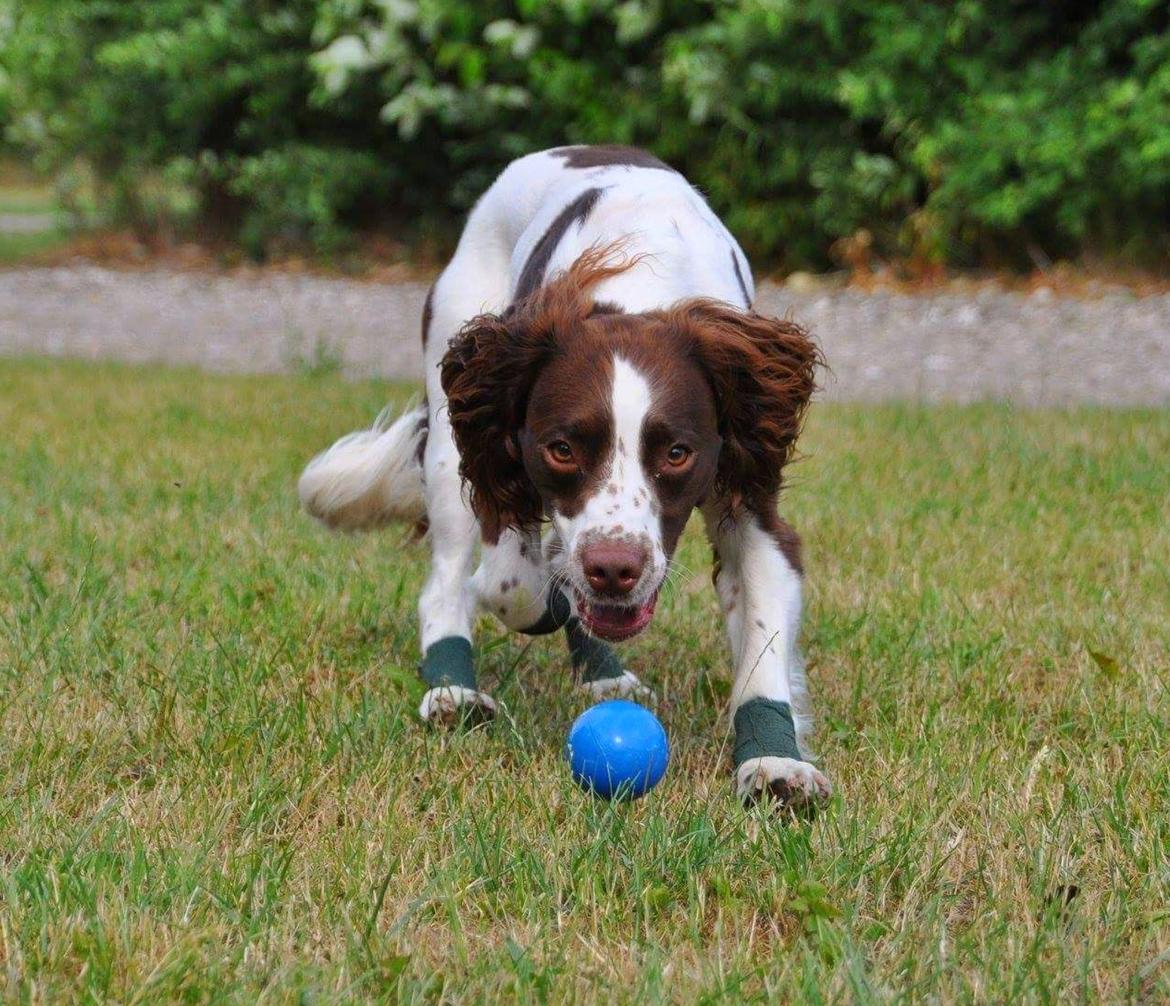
x: 615, y: 621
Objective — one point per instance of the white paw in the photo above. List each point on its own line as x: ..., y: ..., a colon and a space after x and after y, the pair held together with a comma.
x: 628, y: 684
x: 791, y: 783
x: 451, y: 705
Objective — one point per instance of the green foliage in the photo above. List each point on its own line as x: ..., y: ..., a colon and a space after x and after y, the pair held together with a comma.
x: 973, y: 131
x: 5, y: 107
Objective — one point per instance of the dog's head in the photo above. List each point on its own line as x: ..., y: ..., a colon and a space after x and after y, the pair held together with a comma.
x: 616, y: 426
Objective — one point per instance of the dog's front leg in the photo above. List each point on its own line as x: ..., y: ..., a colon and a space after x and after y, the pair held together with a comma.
x: 512, y: 580
x: 759, y: 585
x: 447, y: 602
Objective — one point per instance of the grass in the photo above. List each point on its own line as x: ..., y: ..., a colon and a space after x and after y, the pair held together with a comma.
x: 24, y: 193
x: 213, y: 787
x: 18, y: 249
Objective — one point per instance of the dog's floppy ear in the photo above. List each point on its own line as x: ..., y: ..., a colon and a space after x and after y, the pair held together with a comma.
x: 763, y: 372
x: 488, y: 373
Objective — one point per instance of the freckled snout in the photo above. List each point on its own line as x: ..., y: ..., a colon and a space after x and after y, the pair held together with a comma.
x: 613, y: 568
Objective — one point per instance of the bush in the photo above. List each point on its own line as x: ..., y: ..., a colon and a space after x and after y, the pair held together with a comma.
x: 983, y: 130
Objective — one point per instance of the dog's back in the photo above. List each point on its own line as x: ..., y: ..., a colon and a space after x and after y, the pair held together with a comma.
x: 548, y: 208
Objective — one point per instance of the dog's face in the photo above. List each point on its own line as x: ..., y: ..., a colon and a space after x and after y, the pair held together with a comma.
x: 621, y: 442
x: 614, y: 426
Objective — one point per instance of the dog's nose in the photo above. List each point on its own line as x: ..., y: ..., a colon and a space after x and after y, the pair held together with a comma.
x: 613, y: 567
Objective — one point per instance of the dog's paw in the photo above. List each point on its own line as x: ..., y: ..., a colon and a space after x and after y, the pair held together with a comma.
x: 626, y: 685
x: 791, y: 784
x: 452, y: 705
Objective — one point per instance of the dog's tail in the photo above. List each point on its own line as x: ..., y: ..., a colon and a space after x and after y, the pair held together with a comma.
x: 372, y: 477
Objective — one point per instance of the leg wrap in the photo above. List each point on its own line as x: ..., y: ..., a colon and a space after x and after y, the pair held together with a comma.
x: 592, y: 659
x: 557, y: 612
x: 764, y: 728
x: 448, y: 662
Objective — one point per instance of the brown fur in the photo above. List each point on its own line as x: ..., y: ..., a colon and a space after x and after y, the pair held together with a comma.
x: 606, y: 155
x: 532, y: 275
x: 428, y: 315
x: 763, y: 373
x: 488, y: 373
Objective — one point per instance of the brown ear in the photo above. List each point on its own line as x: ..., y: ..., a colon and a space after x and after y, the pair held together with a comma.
x: 763, y: 372
x: 488, y: 373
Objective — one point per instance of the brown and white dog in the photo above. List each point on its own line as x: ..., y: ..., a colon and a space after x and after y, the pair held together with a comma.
x: 594, y: 373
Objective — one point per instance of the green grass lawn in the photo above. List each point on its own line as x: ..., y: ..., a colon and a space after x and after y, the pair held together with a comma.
x: 25, y: 194
x: 213, y: 786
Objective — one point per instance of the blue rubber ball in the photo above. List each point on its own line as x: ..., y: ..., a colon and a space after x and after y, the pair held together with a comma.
x: 617, y: 750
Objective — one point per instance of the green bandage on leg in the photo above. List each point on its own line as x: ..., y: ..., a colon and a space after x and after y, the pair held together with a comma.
x: 592, y: 659
x: 764, y: 729
x: 448, y: 663
x: 557, y: 612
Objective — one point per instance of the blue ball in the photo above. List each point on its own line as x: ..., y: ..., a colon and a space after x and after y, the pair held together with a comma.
x: 617, y: 750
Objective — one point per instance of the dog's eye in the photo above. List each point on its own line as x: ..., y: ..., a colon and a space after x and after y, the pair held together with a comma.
x: 678, y: 456
x: 560, y: 453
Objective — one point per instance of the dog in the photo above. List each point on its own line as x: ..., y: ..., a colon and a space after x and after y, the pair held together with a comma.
x: 595, y: 372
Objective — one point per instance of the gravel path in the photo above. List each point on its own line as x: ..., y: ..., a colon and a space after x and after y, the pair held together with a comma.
x: 27, y: 223
x: 1033, y: 350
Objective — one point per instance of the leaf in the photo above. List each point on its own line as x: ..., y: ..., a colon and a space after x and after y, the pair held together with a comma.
x: 1109, y: 666
x: 392, y: 967
x: 658, y: 897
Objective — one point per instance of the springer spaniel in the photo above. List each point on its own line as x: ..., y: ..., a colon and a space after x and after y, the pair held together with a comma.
x: 594, y: 373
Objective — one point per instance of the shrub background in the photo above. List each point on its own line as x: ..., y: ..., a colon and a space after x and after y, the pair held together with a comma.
x: 975, y: 132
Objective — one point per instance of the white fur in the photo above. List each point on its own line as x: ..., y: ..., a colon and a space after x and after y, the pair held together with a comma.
x: 367, y: 478
x: 802, y: 781
x: 511, y: 579
x: 761, y: 598
x: 476, y: 280
x: 444, y: 704
x: 621, y: 687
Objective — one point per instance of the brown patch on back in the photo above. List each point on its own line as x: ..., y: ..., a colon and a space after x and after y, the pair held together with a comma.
x: 605, y: 155
x: 747, y: 301
x: 420, y: 429
x: 428, y: 314
x: 532, y: 275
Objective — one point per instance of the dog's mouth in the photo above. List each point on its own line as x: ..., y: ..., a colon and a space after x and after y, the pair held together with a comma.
x: 615, y: 622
